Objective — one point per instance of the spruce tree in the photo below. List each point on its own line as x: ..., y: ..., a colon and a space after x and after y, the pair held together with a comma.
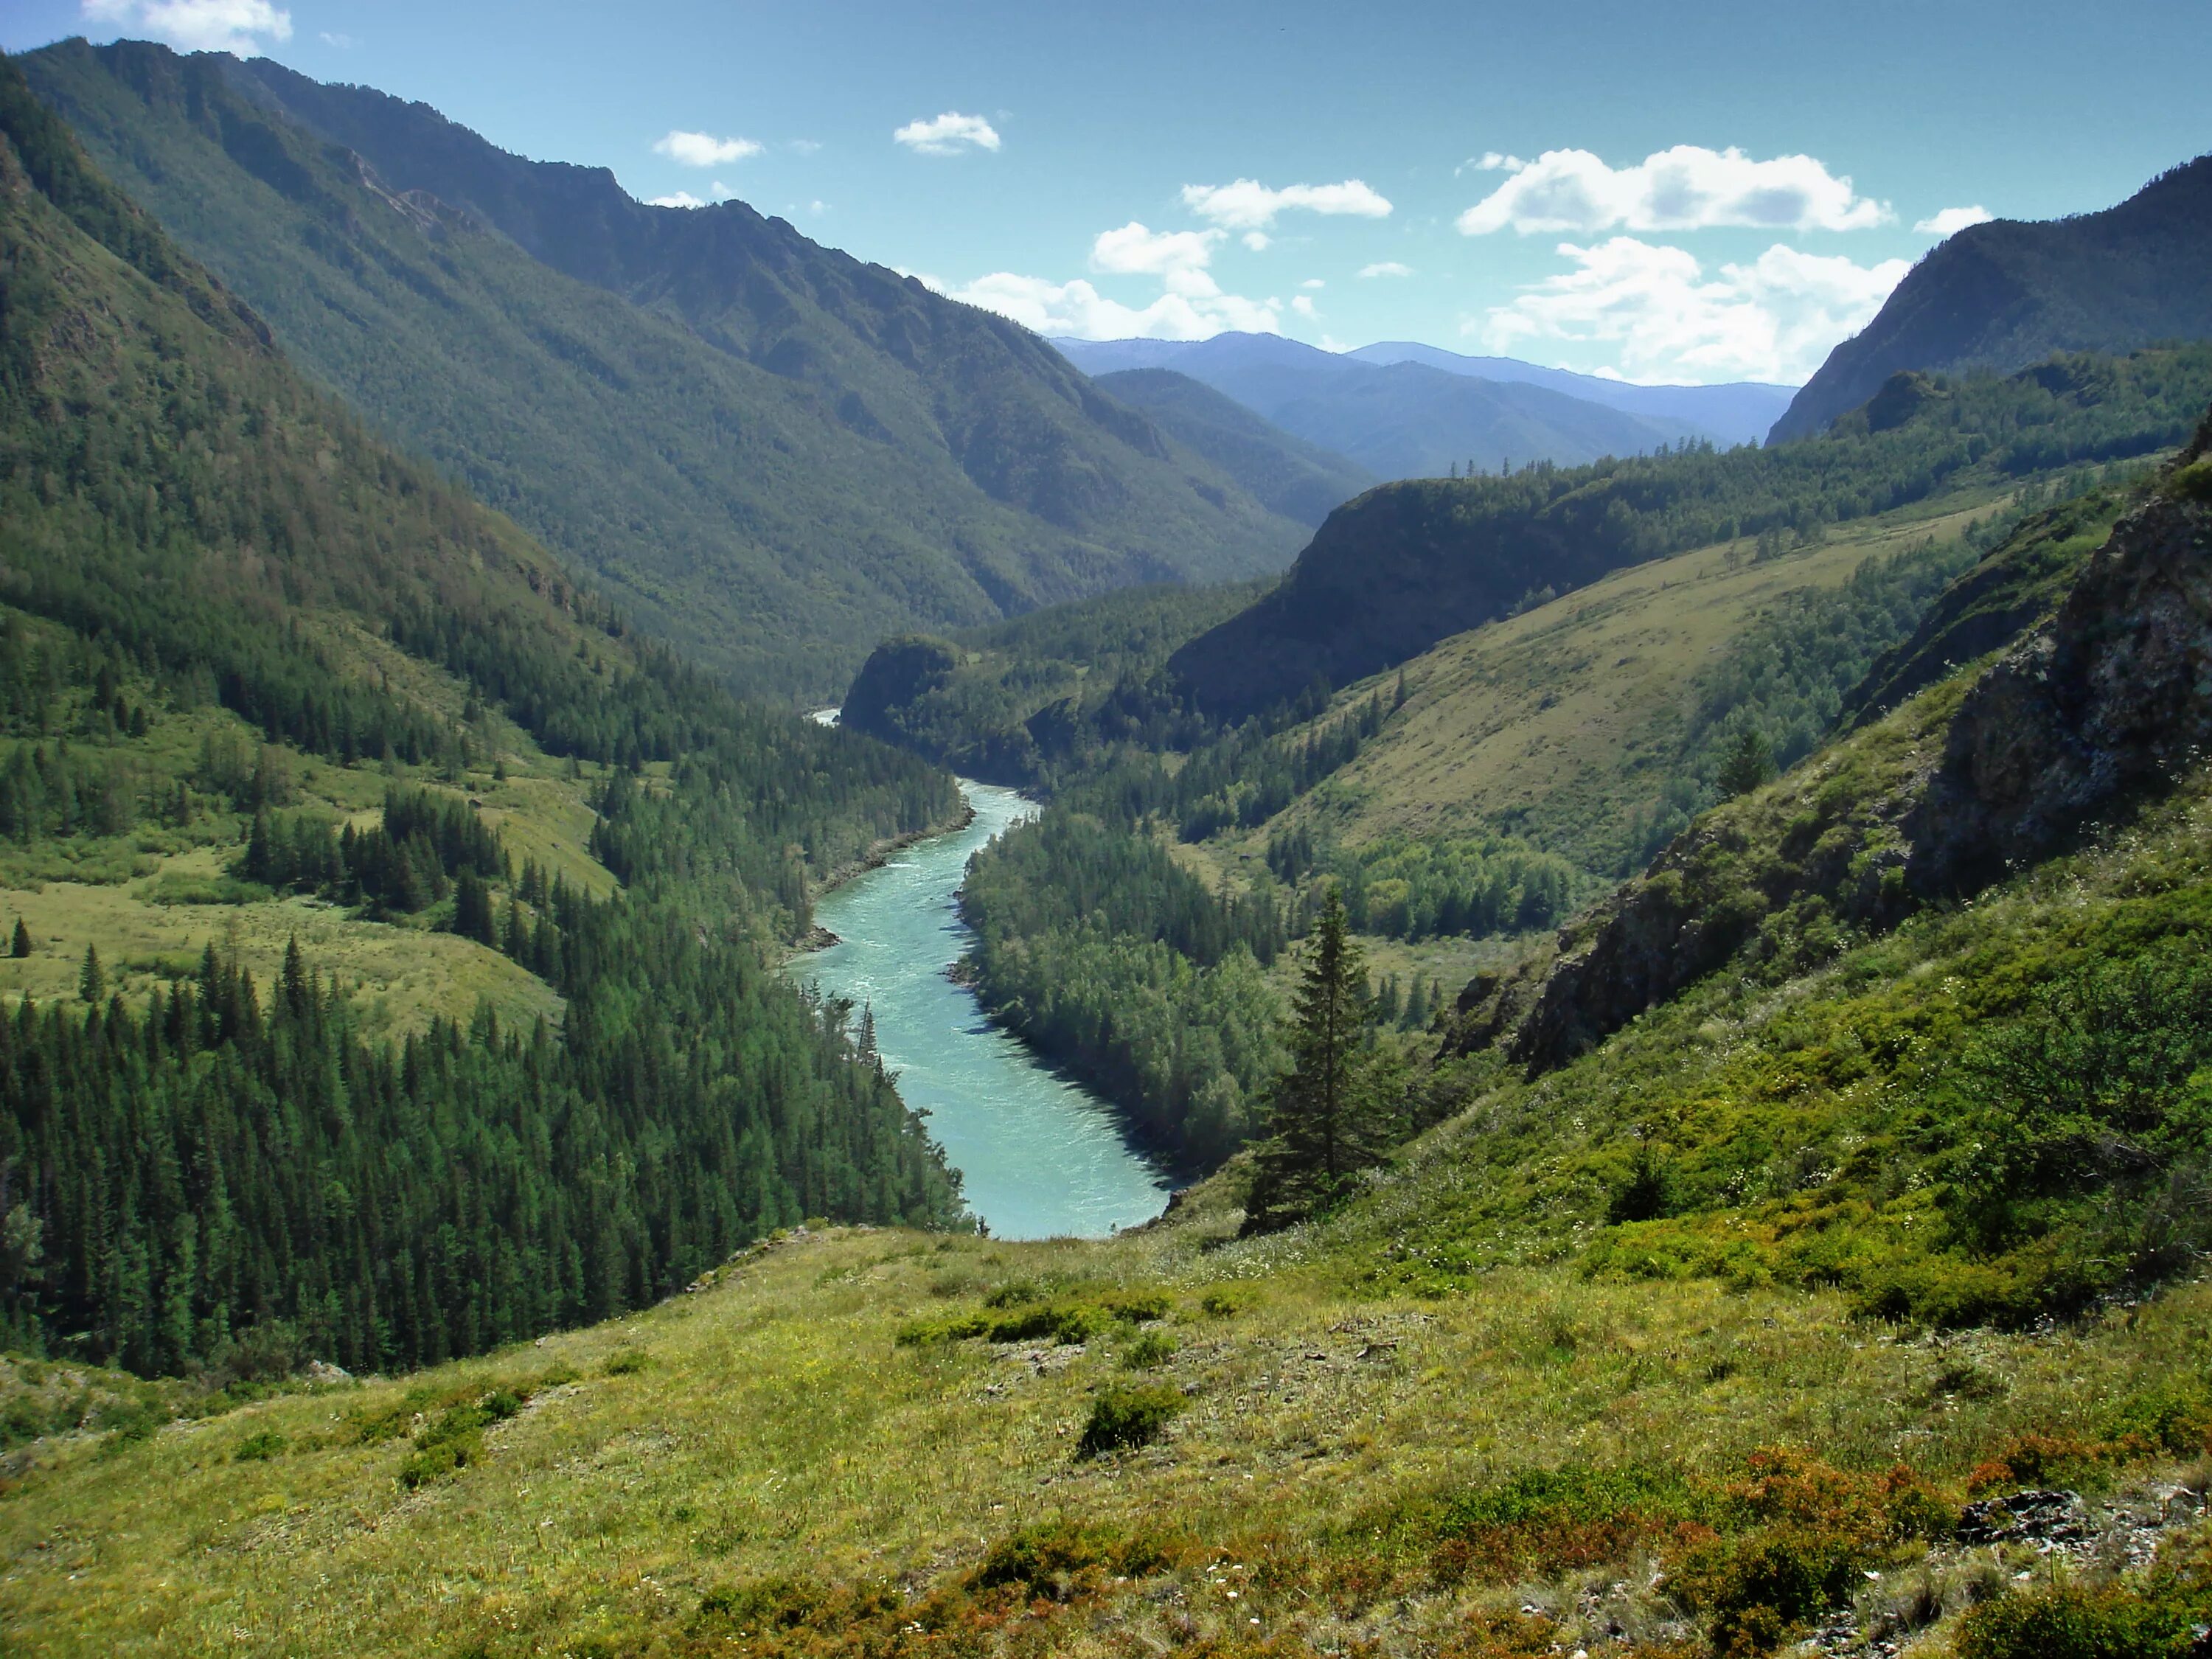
x: 1331, y: 1115
x: 1745, y: 762
x: 22, y: 947
x: 92, y: 982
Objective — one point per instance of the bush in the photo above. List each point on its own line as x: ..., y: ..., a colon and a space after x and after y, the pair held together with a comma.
x: 1150, y: 1349
x: 258, y: 1448
x: 2071, y: 1621
x: 627, y: 1361
x: 1125, y: 1416
x: 1059, y: 1558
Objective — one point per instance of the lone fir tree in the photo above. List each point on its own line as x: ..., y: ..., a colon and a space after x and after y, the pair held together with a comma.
x: 1332, y: 1112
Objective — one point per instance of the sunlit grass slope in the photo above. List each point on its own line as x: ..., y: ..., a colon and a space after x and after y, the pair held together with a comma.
x: 766, y: 1465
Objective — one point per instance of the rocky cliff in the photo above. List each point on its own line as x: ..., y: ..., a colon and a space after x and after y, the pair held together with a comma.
x: 1980, y: 774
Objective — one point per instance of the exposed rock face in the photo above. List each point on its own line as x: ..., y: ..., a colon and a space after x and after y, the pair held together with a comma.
x: 2111, y: 694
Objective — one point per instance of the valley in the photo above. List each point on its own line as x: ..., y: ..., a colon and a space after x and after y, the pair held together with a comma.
x: 1417, y: 1006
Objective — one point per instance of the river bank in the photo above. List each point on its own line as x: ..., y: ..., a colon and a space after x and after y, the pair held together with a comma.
x: 1041, y: 1156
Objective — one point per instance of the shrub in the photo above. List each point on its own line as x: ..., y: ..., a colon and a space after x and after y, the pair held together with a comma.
x: 1060, y: 1559
x: 1125, y: 1416
x: 2072, y: 1621
x: 258, y: 1448
x: 627, y: 1361
x: 1549, y: 1520
x: 455, y: 1439
x: 1150, y: 1349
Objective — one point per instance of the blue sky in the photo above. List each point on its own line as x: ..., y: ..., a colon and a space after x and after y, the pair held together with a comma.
x: 1702, y: 193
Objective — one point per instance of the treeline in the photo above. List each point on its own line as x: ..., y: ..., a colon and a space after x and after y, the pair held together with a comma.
x: 176, y: 1177
x: 1470, y: 886
x: 1096, y: 947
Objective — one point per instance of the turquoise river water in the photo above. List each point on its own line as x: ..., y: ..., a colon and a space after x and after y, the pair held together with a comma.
x: 1041, y: 1156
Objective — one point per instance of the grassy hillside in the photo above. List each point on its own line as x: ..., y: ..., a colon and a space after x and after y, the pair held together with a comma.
x: 2002, y: 295
x: 766, y: 452
x: 392, y: 925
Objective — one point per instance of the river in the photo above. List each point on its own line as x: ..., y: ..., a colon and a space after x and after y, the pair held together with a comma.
x: 1041, y: 1157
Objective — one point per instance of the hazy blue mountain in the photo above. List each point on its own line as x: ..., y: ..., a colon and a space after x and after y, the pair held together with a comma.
x: 1284, y: 474
x: 769, y: 452
x: 2002, y: 295
x: 1737, y: 412
x: 1397, y: 420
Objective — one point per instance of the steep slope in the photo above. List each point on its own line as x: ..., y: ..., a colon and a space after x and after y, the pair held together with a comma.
x: 318, y: 779
x: 1404, y: 420
x: 2000, y: 296
x: 1285, y: 475
x: 772, y: 453
x: 1411, y: 564
x: 1738, y: 412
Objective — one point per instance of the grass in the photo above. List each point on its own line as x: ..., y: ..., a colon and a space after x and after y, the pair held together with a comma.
x: 780, y: 1433
x: 152, y: 899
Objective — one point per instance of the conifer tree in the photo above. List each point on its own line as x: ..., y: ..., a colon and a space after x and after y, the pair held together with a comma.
x: 22, y: 947
x: 1331, y: 1115
x: 92, y: 980
x: 1747, y: 763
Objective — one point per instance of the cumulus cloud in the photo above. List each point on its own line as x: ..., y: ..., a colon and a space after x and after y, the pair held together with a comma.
x: 1685, y: 188
x: 1258, y: 241
x: 1314, y: 283
x: 1076, y: 309
x: 1490, y: 161
x: 703, y: 149
x: 1386, y: 268
x: 948, y: 134
x: 1304, y: 305
x: 1249, y: 205
x: 234, y: 26
x: 682, y: 198
x: 1954, y: 219
x: 1774, y: 319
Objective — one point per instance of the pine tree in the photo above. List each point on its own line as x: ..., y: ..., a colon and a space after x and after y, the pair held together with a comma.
x: 22, y: 947
x: 1331, y: 1115
x: 92, y: 980
x: 1745, y: 762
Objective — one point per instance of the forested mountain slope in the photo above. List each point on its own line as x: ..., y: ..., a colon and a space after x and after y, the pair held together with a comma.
x: 1408, y: 565
x: 2001, y: 295
x: 770, y: 453
x: 1285, y: 475
x: 305, y: 752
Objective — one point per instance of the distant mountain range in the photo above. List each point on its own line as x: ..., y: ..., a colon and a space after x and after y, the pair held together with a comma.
x: 2002, y: 295
x: 1412, y: 411
x: 1283, y: 474
x: 768, y: 452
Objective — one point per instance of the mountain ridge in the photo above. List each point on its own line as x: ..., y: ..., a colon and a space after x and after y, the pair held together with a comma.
x: 2003, y: 294
x: 773, y: 499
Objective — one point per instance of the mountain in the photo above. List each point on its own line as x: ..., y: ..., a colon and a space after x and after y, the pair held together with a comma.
x: 2001, y: 295
x: 362, y: 999
x: 1285, y: 475
x: 1402, y: 420
x: 1411, y: 564
x: 770, y: 453
x: 1739, y: 412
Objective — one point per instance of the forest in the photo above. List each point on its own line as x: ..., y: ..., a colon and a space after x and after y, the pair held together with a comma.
x: 194, y: 539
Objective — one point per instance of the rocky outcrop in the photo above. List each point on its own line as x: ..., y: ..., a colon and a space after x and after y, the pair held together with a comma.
x: 2110, y: 696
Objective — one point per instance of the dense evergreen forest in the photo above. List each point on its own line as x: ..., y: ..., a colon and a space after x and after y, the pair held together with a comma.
x: 195, y: 540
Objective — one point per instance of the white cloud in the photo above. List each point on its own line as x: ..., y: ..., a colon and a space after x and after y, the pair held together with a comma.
x: 818, y: 208
x: 232, y: 26
x: 1951, y: 220
x: 703, y: 149
x: 342, y: 42
x: 1304, y: 305
x: 1079, y: 309
x: 1386, y: 268
x: 947, y: 134
x: 1135, y: 249
x: 682, y: 198
x: 1685, y: 188
x: 1313, y: 281
x: 804, y: 146
x: 1247, y: 204
x: 1258, y: 241
x: 1490, y: 161
x: 1774, y: 319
